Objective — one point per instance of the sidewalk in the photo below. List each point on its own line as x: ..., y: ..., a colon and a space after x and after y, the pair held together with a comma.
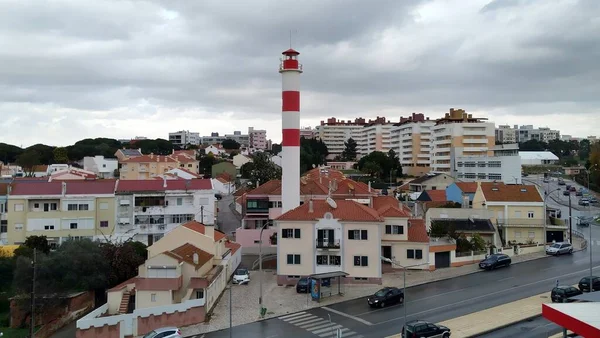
x: 284, y: 300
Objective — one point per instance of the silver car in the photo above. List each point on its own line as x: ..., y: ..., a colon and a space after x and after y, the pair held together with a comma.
x: 559, y: 249
x: 165, y: 332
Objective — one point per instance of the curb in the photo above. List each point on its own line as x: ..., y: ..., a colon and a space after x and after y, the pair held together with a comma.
x: 503, y: 326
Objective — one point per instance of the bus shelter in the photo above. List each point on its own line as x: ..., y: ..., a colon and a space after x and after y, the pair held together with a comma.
x: 326, y: 284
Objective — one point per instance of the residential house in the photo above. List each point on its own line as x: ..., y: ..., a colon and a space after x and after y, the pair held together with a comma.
x: 430, y: 181
x: 149, y: 209
x: 466, y: 221
x: 214, y: 149
x: 348, y: 237
x: 60, y: 210
x: 461, y: 192
x: 224, y: 184
x: 429, y: 199
x: 4, y: 213
x: 503, y: 164
x: 180, y: 282
x: 240, y: 159
x: 519, y: 212
x: 72, y: 173
x: 224, y: 167
x: 40, y: 171
x: 147, y: 166
x: 102, y: 167
x: 124, y: 154
x: 178, y: 174
x: 53, y: 168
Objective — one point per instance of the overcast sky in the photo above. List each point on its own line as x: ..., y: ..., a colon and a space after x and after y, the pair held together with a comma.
x: 77, y: 69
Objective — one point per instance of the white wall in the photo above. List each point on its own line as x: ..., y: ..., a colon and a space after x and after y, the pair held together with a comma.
x: 509, y: 171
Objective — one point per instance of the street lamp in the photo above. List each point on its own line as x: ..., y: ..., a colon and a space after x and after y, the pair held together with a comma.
x: 260, y: 272
x: 389, y: 260
x: 545, y: 235
x: 587, y: 171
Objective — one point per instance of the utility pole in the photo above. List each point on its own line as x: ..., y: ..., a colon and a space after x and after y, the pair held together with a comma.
x: 570, y: 221
x: 202, y: 214
x: 32, y: 325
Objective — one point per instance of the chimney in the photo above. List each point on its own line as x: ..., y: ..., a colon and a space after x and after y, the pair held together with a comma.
x: 64, y: 188
x: 195, y: 258
x: 209, y: 231
x: 310, y: 206
x: 465, y: 201
x: 50, y: 178
x: 369, y: 186
x: 257, y: 183
x: 164, y: 181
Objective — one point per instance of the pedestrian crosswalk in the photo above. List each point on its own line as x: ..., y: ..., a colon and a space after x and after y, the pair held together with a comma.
x: 318, y: 326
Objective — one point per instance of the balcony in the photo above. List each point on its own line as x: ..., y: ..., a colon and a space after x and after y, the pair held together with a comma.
x: 521, y: 222
x: 150, y: 210
x: 328, y: 244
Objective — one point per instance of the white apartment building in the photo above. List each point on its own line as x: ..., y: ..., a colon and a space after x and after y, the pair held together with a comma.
x: 460, y: 134
x: 335, y: 132
x: 374, y: 137
x: 506, y: 134
x: 412, y: 141
x: 257, y: 138
x: 504, y: 166
x: 237, y: 136
x: 307, y: 132
x: 184, y: 137
x: 148, y: 209
x: 102, y: 167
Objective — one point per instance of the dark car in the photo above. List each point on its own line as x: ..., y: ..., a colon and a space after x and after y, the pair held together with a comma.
x: 568, y: 187
x: 584, y: 284
x: 495, y: 261
x: 303, y: 285
x: 562, y: 293
x: 573, y: 189
x: 579, y: 193
x: 566, y: 193
x: 386, y: 296
x: 423, y: 329
x: 561, y: 181
x: 584, y: 222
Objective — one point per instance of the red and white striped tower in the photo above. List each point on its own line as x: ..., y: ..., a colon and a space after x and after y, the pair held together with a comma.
x: 290, y: 71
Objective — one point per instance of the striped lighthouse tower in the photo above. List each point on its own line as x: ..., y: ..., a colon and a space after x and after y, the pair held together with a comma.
x: 290, y: 71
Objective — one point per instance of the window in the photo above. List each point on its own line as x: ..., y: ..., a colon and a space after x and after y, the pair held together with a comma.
x: 3, y: 228
x: 104, y: 224
x: 357, y: 234
x: 495, y: 176
x: 293, y: 259
x: 103, y: 206
x: 335, y: 260
x: 361, y: 261
x: 179, y: 201
x: 199, y: 294
x: 322, y: 260
x: 517, y: 234
x: 71, y: 207
x: 48, y: 227
x: 73, y: 225
x: 290, y: 233
x: 531, y: 234
x: 36, y: 205
x: 414, y: 254
x: 495, y: 164
x: 18, y: 226
x: 53, y: 206
x: 153, y: 297
x: 394, y: 229
x: 530, y: 214
x: 84, y: 207
x: 19, y: 207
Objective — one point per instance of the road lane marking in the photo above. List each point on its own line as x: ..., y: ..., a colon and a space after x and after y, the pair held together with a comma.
x: 331, y: 329
x: 313, y: 324
x: 546, y: 269
x: 292, y: 315
x: 297, y: 317
x: 347, y: 315
x: 485, y: 296
x: 303, y: 321
x: 507, y: 278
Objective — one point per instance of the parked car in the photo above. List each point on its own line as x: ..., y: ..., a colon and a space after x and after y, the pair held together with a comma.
x: 559, y: 249
x: 524, y: 174
x: 241, y: 276
x: 572, y: 189
x: 562, y: 293
x: 303, y: 285
x: 386, y: 296
x: 584, y: 221
x: 579, y: 193
x: 546, y: 180
x: 584, y: 284
x: 584, y: 202
x: 495, y: 261
x: 423, y: 329
x: 218, y: 196
x: 561, y: 181
x: 566, y: 193
x: 165, y: 332
x: 593, y: 199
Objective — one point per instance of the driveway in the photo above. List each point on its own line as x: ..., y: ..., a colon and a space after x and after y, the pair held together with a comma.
x: 66, y: 332
x: 227, y: 220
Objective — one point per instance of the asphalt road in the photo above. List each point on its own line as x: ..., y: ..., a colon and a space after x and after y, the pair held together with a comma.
x: 434, y: 302
x: 227, y: 221
x: 538, y: 327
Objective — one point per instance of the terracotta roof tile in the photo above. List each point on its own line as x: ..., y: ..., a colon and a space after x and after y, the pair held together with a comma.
x: 500, y: 192
x: 379, y: 202
x: 234, y: 247
x: 417, y: 232
x: 266, y: 188
x: 349, y: 211
x: 392, y: 211
x: 201, y: 228
x: 55, y: 188
x: 467, y: 187
x: 241, y: 191
x: 436, y: 195
x: 185, y: 253
x: 158, y: 185
x: 182, y: 158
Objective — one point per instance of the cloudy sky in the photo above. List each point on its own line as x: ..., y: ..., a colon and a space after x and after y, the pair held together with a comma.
x: 76, y: 69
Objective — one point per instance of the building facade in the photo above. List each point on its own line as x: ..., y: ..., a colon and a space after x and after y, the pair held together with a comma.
x: 412, y: 141
x: 520, y: 134
x: 257, y: 138
x: 504, y: 165
x: 149, y: 166
x: 102, y: 167
x: 184, y: 137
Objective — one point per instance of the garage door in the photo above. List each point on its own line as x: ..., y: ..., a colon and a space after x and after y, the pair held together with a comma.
x: 557, y: 236
x: 442, y: 259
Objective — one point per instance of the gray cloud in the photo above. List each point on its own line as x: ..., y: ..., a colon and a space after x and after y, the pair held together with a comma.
x: 75, y: 69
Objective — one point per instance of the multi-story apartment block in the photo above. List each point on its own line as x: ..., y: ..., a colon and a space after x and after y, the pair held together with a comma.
x: 349, y: 238
x: 460, y: 134
x: 519, y: 212
x: 374, y: 137
x: 411, y: 140
x: 307, y: 132
x: 506, y: 134
x: 148, y: 209
x: 237, y: 136
x: 60, y: 210
x: 184, y: 137
x: 149, y: 166
x: 504, y: 165
x: 213, y: 139
x: 335, y: 132
x: 102, y: 167
x: 257, y: 138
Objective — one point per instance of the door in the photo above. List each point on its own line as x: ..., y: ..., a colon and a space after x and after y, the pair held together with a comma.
x: 442, y: 259
x: 386, y: 251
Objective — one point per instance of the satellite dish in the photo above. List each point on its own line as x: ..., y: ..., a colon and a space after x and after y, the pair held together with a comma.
x: 314, y: 166
x: 331, y: 202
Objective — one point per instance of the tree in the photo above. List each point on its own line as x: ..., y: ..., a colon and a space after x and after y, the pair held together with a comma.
x: 206, y: 162
x: 312, y: 152
x: 60, y: 155
x: 261, y: 169
x: 395, y: 167
x: 383, y: 161
x: 9, y: 152
x: 123, y: 260
x: 157, y: 147
x: 28, y: 160
x: 230, y: 144
x: 92, y: 147
x: 40, y: 243
x: 372, y: 168
x: 349, y: 153
x: 45, y: 153
x: 584, y: 149
x: 477, y: 243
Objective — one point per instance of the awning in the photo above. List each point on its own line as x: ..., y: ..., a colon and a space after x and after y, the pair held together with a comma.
x: 581, y: 318
x: 328, y: 275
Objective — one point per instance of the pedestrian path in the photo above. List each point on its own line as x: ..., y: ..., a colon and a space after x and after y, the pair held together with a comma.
x: 318, y: 326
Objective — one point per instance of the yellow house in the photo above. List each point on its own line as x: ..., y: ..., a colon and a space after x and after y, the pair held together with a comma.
x: 59, y: 210
x: 518, y: 212
x: 149, y: 166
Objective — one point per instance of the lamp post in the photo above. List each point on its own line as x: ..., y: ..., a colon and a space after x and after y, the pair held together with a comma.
x: 230, y: 309
x: 587, y: 171
x: 544, y: 235
x: 389, y: 260
x: 260, y: 272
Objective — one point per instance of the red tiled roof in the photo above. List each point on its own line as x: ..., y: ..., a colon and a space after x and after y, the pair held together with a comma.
x: 266, y: 188
x: 201, y: 228
x: 182, y: 158
x: 437, y: 195
x: 241, y: 191
x: 185, y: 253
x: 55, y: 188
x: 73, y: 171
x: 467, y: 187
x: 316, y: 172
x: 158, y: 185
x: 3, y: 188
x: 345, y: 211
x: 379, y: 202
x: 392, y: 211
x: 234, y: 247
x: 500, y: 192
x: 417, y: 232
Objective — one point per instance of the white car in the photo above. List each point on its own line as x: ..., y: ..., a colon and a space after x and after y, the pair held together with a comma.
x: 241, y: 276
x: 559, y: 249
